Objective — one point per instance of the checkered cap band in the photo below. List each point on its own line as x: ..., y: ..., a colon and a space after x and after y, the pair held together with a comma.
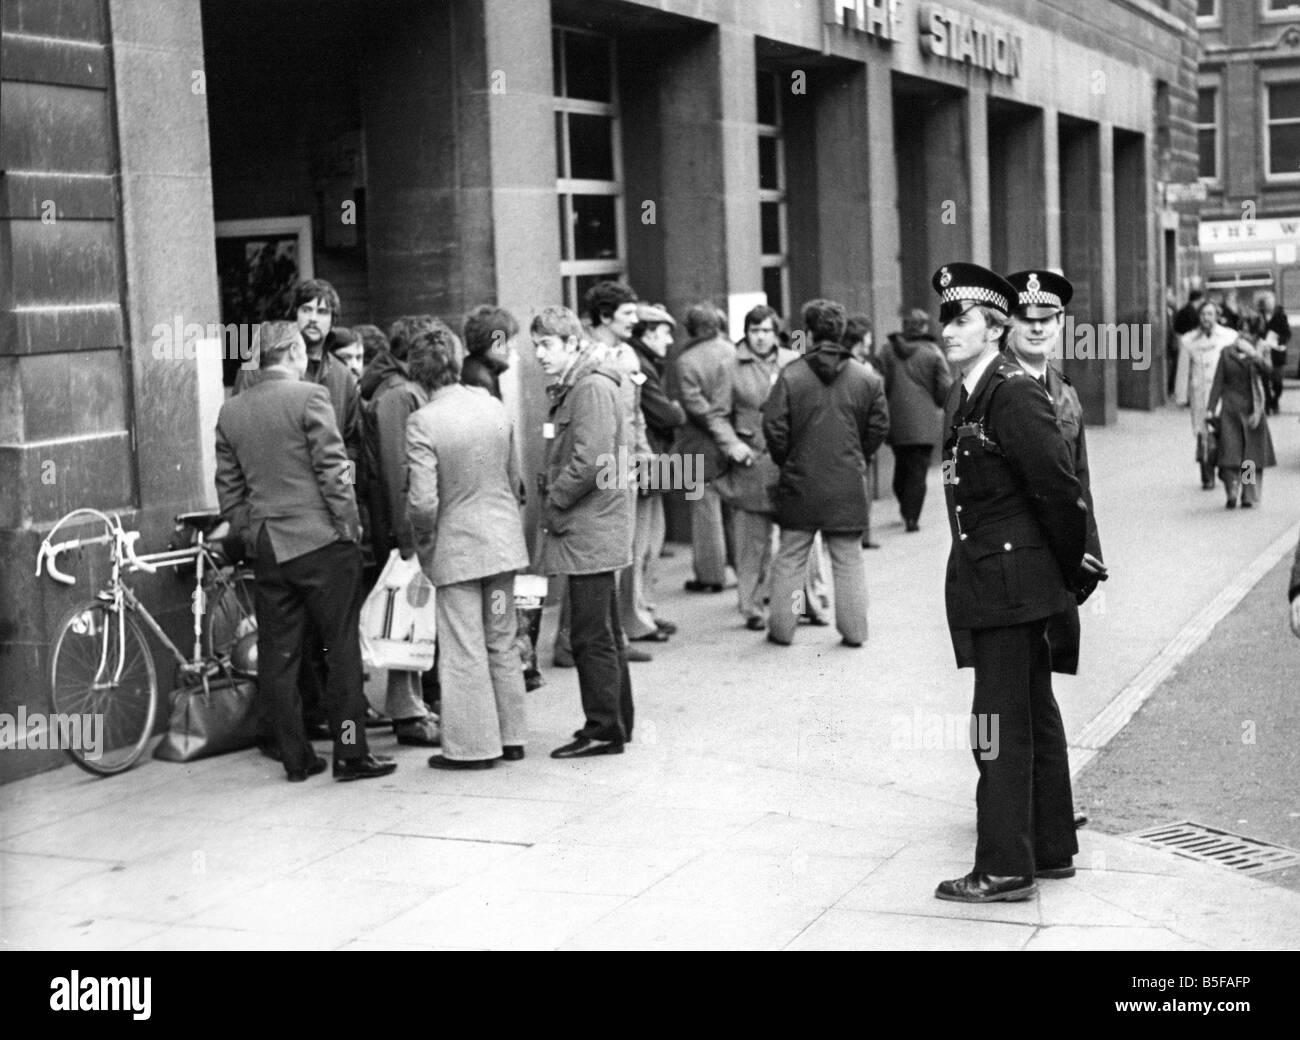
x: 977, y: 293
x: 1040, y: 299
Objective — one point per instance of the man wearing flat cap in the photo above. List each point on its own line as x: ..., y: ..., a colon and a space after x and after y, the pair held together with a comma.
x: 1019, y: 526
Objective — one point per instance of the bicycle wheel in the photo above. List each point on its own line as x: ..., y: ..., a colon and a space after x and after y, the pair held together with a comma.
x: 102, y: 671
x: 231, y: 612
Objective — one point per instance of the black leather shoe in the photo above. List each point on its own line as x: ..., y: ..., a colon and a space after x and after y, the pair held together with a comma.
x: 1055, y: 873
x: 755, y: 624
x: 443, y: 762
x: 986, y: 888
x: 702, y: 586
x: 512, y: 752
x: 657, y: 636
x: 667, y: 627
x: 297, y: 776
x: 585, y: 748
x: 367, y: 767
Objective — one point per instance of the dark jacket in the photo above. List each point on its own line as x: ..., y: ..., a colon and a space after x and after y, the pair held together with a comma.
x: 700, y: 378
x: 1293, y: 589
x: 917, y: 381
x: 824, y: 419
x: 586, y: 516
x: 342, y: 389
x: 663, y: 416
x: 1017, y: 514
x: 1243, y: 428
x: 478, y: 371
x: 388, y: 397
x: 1064, y: 630
x: 281, y: 465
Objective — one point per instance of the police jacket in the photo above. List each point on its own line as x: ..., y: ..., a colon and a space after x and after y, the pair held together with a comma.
x: 1015, y: 508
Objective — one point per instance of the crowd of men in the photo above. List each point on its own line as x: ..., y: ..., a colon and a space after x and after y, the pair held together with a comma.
x: 401, y: 443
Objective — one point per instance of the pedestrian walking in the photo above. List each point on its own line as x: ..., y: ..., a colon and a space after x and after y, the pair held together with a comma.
x: 1237, y: 399
x: 463, y: 506
x: 917, y: 381
x: 700, y: 379
x: 1198, y: 359
x: 284, y: 480
x: 1274, y: 327
x: 586, y: 528
x: 824, y: 419
x: 1019, y: 531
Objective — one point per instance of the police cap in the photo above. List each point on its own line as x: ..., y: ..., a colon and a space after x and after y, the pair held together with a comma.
x: 960, y: 285
x: 1040, y: 294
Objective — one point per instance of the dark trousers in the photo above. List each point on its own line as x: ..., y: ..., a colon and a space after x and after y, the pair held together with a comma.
x: 1273, y: 387
x: 320, y: 590
x: 1025, y: 809
x: 597, y: 639
x: 911, y: 461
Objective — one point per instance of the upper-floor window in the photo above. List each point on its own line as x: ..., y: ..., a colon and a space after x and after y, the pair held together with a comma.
x: 589, y: 174
x: 1207, y: 10
x: 1207, y: 132
x: 1282, y: 141
x: 1281, y: 8
x: 771, y: 192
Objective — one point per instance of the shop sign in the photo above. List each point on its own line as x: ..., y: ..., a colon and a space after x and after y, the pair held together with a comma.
x: 961, y: 38
x: 878, y: 18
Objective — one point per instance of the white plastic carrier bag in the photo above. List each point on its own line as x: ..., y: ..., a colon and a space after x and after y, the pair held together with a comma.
x: 399, y: 624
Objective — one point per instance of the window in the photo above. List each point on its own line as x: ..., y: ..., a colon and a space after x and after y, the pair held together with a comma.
x: 1276, y: 10
x: 1207, y: 132
x: 589, y: 184
x: 1283, y: 138
x: 771, y: 192
x: 1207, y: 10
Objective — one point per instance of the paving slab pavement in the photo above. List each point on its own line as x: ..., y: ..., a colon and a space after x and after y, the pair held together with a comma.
x: 807, y: 797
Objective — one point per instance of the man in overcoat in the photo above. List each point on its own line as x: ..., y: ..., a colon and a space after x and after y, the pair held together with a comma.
x: 1019, y: 527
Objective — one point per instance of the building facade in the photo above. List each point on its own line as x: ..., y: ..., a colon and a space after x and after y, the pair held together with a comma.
x: 1248, y: 127
x: 169, y: 165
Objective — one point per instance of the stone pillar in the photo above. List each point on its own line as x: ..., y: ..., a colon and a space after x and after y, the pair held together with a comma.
x: 1083, y: 230
x: 1051, y: 187
x: 883, y: 191
x: 425, y: 107
x: 977, y: 175
x: 525, y: 235
x: 1140, y: 377
x: 843, y: 194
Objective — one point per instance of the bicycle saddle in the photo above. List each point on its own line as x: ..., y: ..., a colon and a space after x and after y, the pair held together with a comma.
x: 203, y: 521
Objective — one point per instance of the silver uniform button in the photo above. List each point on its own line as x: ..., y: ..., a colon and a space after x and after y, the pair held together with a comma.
x: 959, y: 509
x: 1007, y: 546
x: 963, y: 538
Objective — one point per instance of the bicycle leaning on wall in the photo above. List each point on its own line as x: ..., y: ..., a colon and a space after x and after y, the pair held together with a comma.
x: 100, y: 662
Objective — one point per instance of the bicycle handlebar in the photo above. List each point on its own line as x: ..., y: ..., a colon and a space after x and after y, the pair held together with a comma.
x: 127, y: 539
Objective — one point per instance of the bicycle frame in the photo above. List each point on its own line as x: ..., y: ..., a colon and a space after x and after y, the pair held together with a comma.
x: 119, y: 594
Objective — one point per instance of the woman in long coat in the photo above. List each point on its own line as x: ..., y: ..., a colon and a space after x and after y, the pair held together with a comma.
x: 1198, y: 356
x: 1245, y: 444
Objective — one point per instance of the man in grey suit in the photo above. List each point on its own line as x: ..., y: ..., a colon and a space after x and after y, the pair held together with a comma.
x: 285, y: 483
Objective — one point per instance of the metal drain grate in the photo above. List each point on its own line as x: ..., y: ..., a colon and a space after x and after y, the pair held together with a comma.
x: 1197, y: 841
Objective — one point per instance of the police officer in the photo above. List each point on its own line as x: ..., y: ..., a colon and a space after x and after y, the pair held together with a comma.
x: 1037, y: 316
x: 1019, y: 531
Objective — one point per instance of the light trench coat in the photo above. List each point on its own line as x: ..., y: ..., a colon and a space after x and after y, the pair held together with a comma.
x: 1198, y: 358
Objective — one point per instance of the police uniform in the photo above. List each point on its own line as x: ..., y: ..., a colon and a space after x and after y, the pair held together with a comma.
x: 1046, y: 289
x: 1019, y: 530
